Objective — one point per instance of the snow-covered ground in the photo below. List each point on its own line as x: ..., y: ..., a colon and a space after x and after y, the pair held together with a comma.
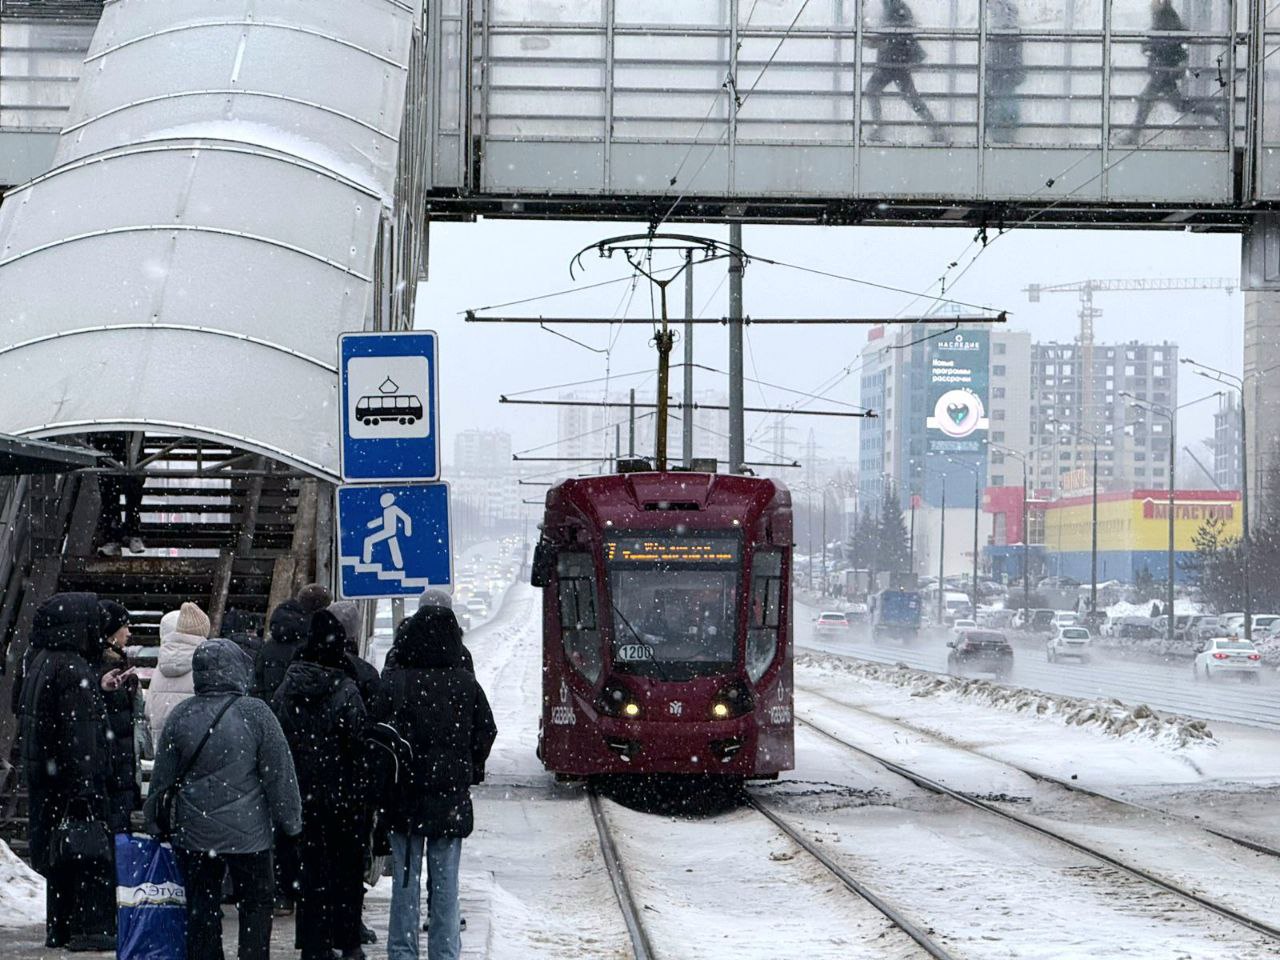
x: 21, y: 891
x: 728, y: 884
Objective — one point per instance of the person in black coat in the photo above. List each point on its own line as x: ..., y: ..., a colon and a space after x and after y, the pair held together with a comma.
x: 437, y: 705
x: 286, y: 633
x: 324, y: 720
x: 898, y: 52
x: 124, y: 707
x: 63, y: 728
x: 1166, y: 66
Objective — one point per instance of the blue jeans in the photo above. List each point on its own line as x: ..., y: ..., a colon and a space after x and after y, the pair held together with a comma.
x: 443, y: 856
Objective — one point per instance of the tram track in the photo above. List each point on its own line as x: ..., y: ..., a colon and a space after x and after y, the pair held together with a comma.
x: 1246, y: 842
x: 632, y: 910
x: 931, y: 785
x: 890, y: 912
x: 641, y: 946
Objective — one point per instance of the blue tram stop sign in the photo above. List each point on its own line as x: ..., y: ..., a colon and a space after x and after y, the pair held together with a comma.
x: 390, y: 407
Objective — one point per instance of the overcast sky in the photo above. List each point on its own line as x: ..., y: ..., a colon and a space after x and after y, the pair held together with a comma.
x: 492, y: 261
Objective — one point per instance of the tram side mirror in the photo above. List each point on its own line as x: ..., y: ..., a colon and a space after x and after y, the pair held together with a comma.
x: 544, y: 564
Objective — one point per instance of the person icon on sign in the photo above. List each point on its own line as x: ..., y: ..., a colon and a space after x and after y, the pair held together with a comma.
x: 392, y: 517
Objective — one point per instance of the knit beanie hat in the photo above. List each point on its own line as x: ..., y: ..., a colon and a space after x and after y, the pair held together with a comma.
x: 313, y: 597
x: 193, y: 621
x: 327, y: 643
x: 348, y: 614
x: 111, y: 617
x: 435, y: 597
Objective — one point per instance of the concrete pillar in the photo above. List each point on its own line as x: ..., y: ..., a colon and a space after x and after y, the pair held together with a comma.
x: 1260, y: 280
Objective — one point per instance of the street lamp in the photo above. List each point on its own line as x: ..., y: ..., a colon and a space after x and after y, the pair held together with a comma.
x: 1237, y: 383
x: 1093, y: 544
x: 1171, y: 415
x: 1026, y: 557
x: 977, y: 506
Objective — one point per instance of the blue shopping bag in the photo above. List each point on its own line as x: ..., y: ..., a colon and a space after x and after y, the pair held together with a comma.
x: 151, y: 902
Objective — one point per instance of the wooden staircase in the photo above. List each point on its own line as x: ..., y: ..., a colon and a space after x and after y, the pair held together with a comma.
x: 222, y: 527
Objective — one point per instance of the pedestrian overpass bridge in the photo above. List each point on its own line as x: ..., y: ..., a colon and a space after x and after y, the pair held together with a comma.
x: 763, y: 109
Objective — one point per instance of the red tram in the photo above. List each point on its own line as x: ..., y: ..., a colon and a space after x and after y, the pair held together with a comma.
x: 666, y: 626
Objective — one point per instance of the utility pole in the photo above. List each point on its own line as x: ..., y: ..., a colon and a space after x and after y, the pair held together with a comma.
x: 1093, y: 545
x: 687, y: 439
x: 911, y: 540
x: 942, y: 549
x: 737, y: 429
x: 824, y: 541
x: 631, y: 429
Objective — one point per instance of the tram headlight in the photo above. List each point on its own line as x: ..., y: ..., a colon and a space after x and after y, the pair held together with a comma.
x: 732, y: 700
x: 617, y: 701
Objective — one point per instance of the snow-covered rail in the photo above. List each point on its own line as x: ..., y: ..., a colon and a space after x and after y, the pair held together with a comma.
x: 895, y: 916
x: 934, y: 786
x: 1143, y: 809
x: 640, y: 945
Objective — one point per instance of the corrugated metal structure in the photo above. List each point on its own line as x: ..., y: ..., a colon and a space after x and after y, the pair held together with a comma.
x: 237, y: 183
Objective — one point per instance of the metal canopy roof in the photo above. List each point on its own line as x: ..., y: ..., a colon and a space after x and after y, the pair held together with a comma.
x: 213, y: 222
x: 19, y: 455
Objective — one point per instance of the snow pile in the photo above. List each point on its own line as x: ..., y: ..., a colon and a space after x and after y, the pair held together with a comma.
x: 1160, y: 646
x: 21, y: 891
x: 1106, y: 715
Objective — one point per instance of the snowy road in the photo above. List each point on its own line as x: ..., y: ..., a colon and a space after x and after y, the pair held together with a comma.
x: 1164, y: 686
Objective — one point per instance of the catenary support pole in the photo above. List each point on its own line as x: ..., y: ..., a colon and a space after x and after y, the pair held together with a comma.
x: 631, y: 425
x: 687, y: 439
x: 737, y: 430
x: 942, y: 548
x: 1173, y: 446
x: 1244, y: 504
x: 1093, y: 546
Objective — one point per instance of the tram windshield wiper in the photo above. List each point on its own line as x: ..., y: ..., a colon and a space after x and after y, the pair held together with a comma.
x: 657, y: 665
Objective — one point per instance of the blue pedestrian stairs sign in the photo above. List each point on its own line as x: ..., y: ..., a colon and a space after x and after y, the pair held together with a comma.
x: 393, y: 540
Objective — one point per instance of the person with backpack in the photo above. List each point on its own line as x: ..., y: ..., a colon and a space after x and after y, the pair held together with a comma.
x: 898, y: 50
x: 63, y: 731
x: 224, y: 781
x: 324, y: 721
x: 1166, y: 66
x: 438, y: 707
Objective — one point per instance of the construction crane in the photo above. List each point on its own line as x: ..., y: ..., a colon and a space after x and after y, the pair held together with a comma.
x: 1089, y: 313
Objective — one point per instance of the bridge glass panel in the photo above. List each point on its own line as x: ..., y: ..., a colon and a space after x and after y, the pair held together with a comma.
x: 40, y: 62
x: 988, y: 99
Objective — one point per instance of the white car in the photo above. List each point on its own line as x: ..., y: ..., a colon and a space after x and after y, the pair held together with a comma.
x: 1228, y: 655
x: 830, y: 622
x: 963, y: 626
x: 1069, y: 642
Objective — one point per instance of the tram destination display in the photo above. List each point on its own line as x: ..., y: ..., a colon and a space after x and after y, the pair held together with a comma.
x: 672, y: 550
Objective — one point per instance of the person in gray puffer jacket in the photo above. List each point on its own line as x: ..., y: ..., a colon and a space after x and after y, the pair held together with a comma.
x: 241, y: 786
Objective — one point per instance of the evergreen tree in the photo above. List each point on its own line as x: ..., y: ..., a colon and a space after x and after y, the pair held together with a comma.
x: 894, y: 540
x: 864, y: 545
x: 1217, y: 566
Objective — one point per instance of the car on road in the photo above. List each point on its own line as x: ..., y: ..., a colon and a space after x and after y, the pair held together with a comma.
x: 477, y: 608
x: 1069, y: 642
x: 830, y: 622
x: 857, y: 613
x: 1065, y: 618
x: 1228, y: 656
x: 980, y: 651
x: 963, y: 626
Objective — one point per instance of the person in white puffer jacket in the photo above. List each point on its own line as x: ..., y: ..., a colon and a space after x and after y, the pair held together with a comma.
x: 181, y: 631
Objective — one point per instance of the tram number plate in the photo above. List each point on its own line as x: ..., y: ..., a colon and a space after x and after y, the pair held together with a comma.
x: 632, y: 652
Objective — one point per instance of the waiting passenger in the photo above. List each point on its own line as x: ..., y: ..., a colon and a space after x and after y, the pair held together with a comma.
x: 1005, y: 70
x: 1167, y: 65
x: 898, y: 52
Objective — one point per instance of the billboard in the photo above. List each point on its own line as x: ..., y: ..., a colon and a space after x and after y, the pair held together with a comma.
x: 1138, y: 520
x: 956, y: 395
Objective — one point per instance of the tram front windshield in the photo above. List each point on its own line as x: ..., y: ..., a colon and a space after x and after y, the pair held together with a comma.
x: 674, y: 605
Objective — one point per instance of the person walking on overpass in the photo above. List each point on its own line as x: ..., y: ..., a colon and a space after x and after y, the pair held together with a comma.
x: 898, y: 51
x: 1166, y: 67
